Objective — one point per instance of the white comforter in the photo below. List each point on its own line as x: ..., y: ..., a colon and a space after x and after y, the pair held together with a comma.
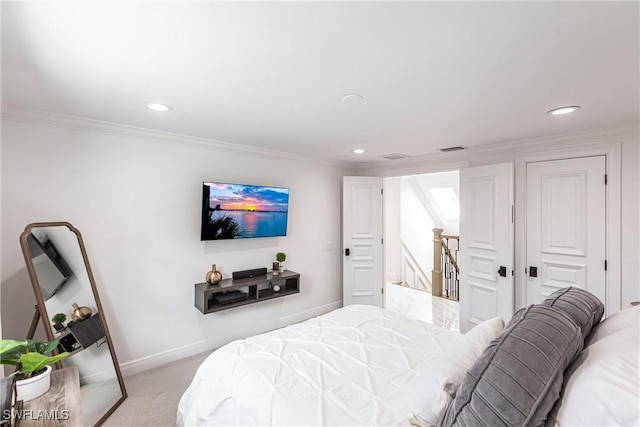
x: 353, y: 366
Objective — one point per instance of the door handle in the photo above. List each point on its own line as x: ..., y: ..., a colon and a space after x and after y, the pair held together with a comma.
x: 346, y: 252
x: 533, y: 271
x: 502, y: 271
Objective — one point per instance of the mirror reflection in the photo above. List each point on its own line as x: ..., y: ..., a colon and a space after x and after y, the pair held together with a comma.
x: 51, y: 269
x: 71, y: 313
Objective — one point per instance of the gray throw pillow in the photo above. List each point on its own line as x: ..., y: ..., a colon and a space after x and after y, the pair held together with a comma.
x: 518, y: 378
x: 583, y: 307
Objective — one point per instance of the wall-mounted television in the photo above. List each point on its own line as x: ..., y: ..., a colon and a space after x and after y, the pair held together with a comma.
x: 237, y: 211
x: 51, y: 269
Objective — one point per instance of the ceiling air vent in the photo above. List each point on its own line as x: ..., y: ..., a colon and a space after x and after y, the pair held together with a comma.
x: 456, y: 148
x: 395, y: 156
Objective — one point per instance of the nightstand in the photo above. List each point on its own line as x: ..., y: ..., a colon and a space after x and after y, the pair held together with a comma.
x: 60, y: 406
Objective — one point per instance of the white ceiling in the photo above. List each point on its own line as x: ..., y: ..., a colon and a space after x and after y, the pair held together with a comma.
x: 272, y: 75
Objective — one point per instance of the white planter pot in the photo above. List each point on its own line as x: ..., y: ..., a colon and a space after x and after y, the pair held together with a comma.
x: 33, y: 387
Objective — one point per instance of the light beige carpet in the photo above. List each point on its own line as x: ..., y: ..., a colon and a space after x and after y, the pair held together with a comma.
x: 153, y: 395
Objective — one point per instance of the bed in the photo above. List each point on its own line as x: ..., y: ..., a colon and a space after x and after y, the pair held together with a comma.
x: 362, y: 365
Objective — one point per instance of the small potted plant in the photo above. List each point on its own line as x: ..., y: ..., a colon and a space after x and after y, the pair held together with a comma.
x: 33, y: 365
x: 58, y: 321
x: 281, y: 257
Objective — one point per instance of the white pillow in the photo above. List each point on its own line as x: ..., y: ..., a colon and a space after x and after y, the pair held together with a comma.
x: 435, y: 388
x: 601, y: 386
x: 623, y: 319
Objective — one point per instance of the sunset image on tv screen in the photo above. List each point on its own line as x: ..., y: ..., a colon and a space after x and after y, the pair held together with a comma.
x: 235, y: 211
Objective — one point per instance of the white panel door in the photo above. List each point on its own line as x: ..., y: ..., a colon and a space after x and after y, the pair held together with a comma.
x: 566, y: 205
x: 486, y: 244
x: 362, y: 240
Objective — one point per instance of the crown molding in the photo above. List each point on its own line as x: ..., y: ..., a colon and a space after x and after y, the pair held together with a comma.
x: 46, y: 118
x: 523, y: 146
x: 518, y: 147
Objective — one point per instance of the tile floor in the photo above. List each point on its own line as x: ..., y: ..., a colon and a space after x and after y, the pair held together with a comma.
x: 423, y: 306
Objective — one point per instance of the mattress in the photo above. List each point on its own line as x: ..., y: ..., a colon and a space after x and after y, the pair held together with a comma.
x: 352, y: 366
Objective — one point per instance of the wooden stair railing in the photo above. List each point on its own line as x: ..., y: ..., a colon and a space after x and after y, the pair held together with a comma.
x: 445, y: 274
x: 436, y: 273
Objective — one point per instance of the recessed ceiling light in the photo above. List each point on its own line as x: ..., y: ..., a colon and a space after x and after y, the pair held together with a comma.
x: 358, y: 150
x: 352, y: 98
x: 563, y: 110
x: 158, y: 107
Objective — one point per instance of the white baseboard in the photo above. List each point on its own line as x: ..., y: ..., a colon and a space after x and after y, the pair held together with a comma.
x: 98, y: 377
x: 150, y: 362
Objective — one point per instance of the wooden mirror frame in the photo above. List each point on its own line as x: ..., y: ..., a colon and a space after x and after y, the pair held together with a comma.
x: 43, y: 309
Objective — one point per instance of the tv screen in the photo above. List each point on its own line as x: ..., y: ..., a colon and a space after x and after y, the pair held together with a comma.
x: 236, y: 211
x: 51, y: 269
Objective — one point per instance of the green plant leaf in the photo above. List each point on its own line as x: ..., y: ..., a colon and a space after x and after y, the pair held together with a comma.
x: 31, y: 346
x: 46, y: 347
x: 11, y: 350
x: 6, y: 345
x: 33, y: 362
x: 28, y: 355
x: 59, y: 318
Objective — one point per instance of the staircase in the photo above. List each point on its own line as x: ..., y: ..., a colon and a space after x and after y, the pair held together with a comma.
x: 445, y: 275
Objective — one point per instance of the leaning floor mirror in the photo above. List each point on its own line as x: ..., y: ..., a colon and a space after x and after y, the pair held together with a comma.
x: 64, y: 286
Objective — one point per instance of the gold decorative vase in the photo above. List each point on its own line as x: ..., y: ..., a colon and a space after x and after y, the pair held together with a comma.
x: 214, y: 276
x: 80, y: 313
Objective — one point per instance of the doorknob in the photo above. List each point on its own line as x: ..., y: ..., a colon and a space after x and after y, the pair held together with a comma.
x: 533, y: 271
x: 346, y: 252
x: 502, y: 271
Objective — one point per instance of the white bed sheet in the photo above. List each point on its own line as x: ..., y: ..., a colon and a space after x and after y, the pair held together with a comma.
x: 352, y: 366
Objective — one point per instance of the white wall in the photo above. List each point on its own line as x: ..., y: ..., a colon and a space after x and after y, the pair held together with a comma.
x: 416, y: 228
x: 136, y: 202
x: 630, y: 213
x: 392, y: 242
